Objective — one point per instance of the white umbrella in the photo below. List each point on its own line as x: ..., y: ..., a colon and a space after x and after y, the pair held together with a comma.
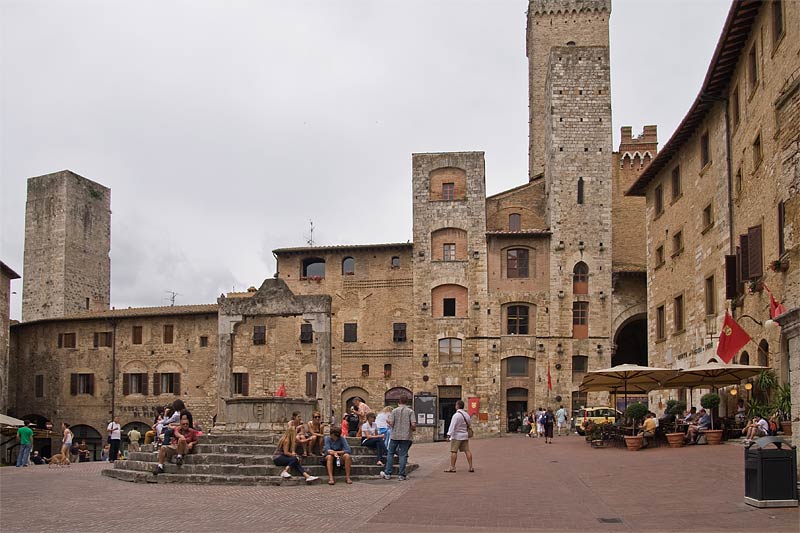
x: 625, y: 378
x: 10, y: 421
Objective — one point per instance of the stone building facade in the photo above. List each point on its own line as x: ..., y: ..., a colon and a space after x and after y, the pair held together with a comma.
x: 722, y: 202
x: 6, y: 276
x: 504, y: 300
x: 67, y: 243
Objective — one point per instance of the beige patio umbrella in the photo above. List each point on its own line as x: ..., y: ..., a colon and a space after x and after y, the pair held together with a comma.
x: 626, y: 378
x: 714, y: 375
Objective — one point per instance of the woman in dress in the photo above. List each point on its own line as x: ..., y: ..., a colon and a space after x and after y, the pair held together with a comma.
x: 285, y: 456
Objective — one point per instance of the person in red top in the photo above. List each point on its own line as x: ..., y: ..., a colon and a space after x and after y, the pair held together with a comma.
x: 184, y: 440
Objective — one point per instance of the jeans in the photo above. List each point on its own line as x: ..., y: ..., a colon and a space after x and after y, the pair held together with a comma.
x: 378, y: 446
x: 401, y: 447
x: 24, y: 454
x: 292, y: 462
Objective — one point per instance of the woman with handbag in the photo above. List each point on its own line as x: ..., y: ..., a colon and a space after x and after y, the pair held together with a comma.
x: 459, y: 433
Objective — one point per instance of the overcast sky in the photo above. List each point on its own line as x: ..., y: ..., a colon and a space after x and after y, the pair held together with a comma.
x: 223, y: 127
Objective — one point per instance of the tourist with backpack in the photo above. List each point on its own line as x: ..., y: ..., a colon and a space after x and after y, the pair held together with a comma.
x: 548, y: 421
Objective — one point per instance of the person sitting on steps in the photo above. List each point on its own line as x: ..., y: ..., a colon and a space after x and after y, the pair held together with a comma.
x: 285, y: 456
x: 336, y: 453
x: 304, y: 437
x: 184, y: 439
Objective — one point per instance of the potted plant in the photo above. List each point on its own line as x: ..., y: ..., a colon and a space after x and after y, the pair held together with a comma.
x: 782, y: 406
x: 710, y: 402
x: 675, y: 408
x: 635, y: 412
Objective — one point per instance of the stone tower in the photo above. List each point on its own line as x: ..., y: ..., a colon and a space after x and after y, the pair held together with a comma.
x: 450, y: 287
x: 556, y: 23
x: 577, y: 172
x: 67, y: 268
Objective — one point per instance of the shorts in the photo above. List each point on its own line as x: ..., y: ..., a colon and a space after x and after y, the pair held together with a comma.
x: 459, y: 445
x: 562, y: 423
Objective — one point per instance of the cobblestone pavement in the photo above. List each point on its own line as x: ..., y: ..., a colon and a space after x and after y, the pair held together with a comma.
x: 519, y: 484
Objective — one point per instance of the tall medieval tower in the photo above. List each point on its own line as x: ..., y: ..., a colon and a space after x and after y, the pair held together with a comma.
x: 571, y: 141
x: 556, y: 23
x: 67, y: 268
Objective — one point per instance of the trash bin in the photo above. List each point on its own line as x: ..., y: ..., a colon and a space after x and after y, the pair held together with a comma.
x: 770, y: 473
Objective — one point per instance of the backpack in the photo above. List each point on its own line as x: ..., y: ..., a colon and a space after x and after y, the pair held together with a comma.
x: 547, y: 418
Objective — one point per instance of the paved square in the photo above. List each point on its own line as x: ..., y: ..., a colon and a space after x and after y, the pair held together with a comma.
x: 519, y: 484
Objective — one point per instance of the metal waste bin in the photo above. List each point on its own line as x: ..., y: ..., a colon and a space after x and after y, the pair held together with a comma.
x: 770, y: 473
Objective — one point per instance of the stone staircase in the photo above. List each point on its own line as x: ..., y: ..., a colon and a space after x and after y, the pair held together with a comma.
x: 239, y: 459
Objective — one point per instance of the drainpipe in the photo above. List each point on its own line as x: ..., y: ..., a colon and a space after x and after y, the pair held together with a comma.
x: 730, y: 178
x: 113, y: 368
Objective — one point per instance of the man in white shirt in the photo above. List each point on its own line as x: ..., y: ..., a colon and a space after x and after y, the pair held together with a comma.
x: 459, y: 436
x: 115, y: 439
x: 759, y: 427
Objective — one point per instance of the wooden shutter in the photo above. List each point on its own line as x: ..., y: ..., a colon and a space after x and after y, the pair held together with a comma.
x: 731, y: 279
x: 781, y: 225
x: 176, y: 383
x: 744, y: 261
x: 156, y: 383
x: 126, y: 384
x: 144, y: 383
x: 754, y: 253
x: 60, y: 340
x: 245, y: 384
x: 91, y: 384
x: 96, y: 339
x: 73, y: 384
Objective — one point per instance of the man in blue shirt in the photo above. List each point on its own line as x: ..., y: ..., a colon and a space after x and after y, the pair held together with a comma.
x: 336, y: 452
x: 703, y: 424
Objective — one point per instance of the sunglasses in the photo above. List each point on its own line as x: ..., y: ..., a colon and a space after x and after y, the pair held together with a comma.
x: 316, y: 417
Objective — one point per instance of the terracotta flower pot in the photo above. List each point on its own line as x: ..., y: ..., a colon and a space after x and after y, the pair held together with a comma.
x: 713, y: 436
x: 786, y: 427
x: 634, y: 443
x: 675, y: 440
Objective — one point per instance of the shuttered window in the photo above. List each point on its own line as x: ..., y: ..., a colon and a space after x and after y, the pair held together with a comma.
x: 134, y: 383
x: 241, y: 383
x: 259, y: 335
x: 166, y: 383
x: 102, y: 339
x: 136, y: 335
x: 169, y: 331
x: 754, y: 252
x: 306, y: 333
x: 81, y: 384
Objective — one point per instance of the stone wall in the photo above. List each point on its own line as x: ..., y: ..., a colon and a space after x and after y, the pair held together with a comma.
x: 67, y: 243
x: 6, y: 275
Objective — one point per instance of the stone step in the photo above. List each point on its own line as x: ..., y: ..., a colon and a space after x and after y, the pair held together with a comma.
x: 315, y: 469
x: 146, y: 477
x: 241, y: 459
x: 240, y: 438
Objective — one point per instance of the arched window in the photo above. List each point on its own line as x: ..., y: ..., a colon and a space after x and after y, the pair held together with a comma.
x: 580, y: 278
x: 313, y: 267
x: 763, y: 353
x: 348, y: 266
x: 744, y: 359
x: 514, y: 222
x: 450, y: 350
x: 517, y: 320
x: 517, y: 263
x: 580, y: 191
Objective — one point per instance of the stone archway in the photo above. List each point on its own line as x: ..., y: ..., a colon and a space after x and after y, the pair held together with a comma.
x: 353, y: 392
x: 630, y: 340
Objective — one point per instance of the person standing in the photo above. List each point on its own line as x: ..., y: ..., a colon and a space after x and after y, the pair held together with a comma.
x: 133, y: 436
x: 403, y: 424
x: 539, y: 425
x: 548, y: 421
x: 25, y: 438
x: 114, y: 439
x: 66, y: 440
x: 561, y: 420
x: 459, y: 436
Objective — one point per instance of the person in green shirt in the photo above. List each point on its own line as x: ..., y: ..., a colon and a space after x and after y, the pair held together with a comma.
x: 25, y: 438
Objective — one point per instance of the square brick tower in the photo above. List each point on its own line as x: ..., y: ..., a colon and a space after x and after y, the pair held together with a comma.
x: 67, y: 268
x: 556, y: 23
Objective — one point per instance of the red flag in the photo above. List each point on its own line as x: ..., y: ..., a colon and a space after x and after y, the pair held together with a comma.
x: 731, y: 339
x: 775, y: 308
x: 549, y: 379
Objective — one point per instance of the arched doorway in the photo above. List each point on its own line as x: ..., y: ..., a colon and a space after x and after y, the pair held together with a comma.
x: 392, y: 397
x: 350, y: 394
x: 93, y: 439
x: 763, y: 353
x: 37, y: 421
x: 631, y: 342
x: 516, y: 407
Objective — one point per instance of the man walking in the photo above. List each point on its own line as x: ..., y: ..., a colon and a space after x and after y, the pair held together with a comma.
x: 561, y: 420
x: 459, y: 436
x: 115, y: 438
x: 25, y: 438
x: 403, y: 424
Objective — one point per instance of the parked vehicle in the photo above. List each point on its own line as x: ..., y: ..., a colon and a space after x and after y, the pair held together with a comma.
x: 598, y: 415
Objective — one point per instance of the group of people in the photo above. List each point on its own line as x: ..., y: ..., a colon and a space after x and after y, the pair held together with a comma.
x: 174, y: 434
x: 389, y: 433
x: 542, y: 422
